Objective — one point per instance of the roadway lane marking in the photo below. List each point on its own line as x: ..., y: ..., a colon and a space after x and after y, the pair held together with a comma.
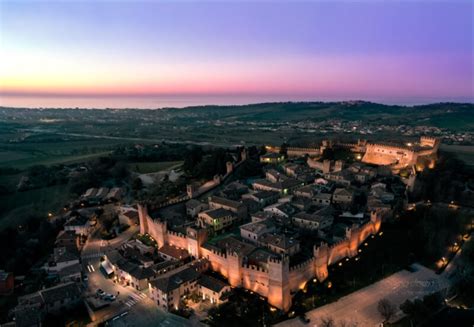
x: 135, y: 296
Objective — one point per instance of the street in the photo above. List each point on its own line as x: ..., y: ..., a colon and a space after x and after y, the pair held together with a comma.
x: 132, y: 307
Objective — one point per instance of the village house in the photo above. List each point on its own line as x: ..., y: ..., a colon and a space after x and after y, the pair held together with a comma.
x: 71, y: 273
x: 7, y: 282
x: 272, y: 158
x: 168, y: 290
x: 260, y: 216
x: 213, y: 289
x: 171, y: 252
x: 343, y: 178
x: 66, y: 239
x: 307, y: 191
x: 252, y: 231
x: 263, y: 198
x: 274, y: 176
x: 216, y: 219
x: 343, y: 196
x: 281, y: 209
x: 102, y: 193
x: 314, y: 221
x: 283, y: 187
x: 115, y: 194
x: 62, y: 258
x: 238, y: 208
x: 53, y: 299
x: 323, y: 199
x: 301, y: 203
x: 128, y: 272
x: 80, y: 223
x: 280, y: 243
x: 194, y: 207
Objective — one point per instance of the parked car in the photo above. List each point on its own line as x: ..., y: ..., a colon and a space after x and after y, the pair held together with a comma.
x: 304, y: 319
x: 109, y: 297
x: 100, y: 292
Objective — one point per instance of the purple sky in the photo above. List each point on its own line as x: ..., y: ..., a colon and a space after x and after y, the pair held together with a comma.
x: 386, y: 51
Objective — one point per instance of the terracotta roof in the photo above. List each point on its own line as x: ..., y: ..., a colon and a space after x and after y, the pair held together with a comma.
x: 60, y: 292
x: 211, y: 283
x: 175, y: 279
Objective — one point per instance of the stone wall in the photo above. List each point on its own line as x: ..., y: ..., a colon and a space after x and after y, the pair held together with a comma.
x: 279, y: 280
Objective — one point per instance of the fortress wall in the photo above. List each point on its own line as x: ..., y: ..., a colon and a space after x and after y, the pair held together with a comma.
x: 255, y: 280
x: 177, y: 239
x: 218, y: 261
x: 294, y: 151
x: 154, y: 228
x: 300, y: 274
x: 325, y: 256
x: 338, y: 251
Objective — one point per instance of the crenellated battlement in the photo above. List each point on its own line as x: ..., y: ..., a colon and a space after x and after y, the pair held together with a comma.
x: 381, y: 146
x: 274, y: 260
x: 254, y: 268
x: 177, y: 234
x: 219, y: 253
x: 302, y: 265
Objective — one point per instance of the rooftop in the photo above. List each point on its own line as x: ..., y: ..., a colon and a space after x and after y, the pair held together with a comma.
x: 212, y: 283
x: 174, y: 279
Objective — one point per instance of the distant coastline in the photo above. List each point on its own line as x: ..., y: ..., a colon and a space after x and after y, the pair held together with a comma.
x: 160, y: 102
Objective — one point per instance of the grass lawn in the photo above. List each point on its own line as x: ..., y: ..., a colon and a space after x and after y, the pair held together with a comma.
x: 152, y: 167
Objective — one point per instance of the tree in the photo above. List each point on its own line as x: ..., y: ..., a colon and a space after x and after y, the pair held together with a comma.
x: 386, y: 309
x: 137, y: 184
x: 284, y: 149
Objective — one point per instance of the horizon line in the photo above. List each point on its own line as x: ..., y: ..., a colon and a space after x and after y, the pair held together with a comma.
x: 354, y: 101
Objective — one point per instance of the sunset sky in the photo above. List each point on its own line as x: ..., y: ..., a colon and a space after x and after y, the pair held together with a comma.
x: 235, y: 52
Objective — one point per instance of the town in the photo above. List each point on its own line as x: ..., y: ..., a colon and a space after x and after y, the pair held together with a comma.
x: 270, y: 236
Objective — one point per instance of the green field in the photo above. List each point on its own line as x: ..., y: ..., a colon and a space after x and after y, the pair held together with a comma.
x: 28, y: 160
x: 152, y: 167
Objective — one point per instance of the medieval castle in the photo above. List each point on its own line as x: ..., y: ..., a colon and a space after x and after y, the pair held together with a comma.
x: 278, y: 280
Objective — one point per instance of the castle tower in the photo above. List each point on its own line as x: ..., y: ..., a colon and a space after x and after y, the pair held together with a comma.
x: 243, y: 154
x: 321, y: 257
x: 279, y: 294
x: 229, y: 166
x: 338, y: 165
x: 195, y: 237
x: 234, y: 262
x: 143, y: 218
x: 191, y: 190
x: 352, y: 234
x: 326, y: 166
x: 158, y: 230
x: 376, y: 219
